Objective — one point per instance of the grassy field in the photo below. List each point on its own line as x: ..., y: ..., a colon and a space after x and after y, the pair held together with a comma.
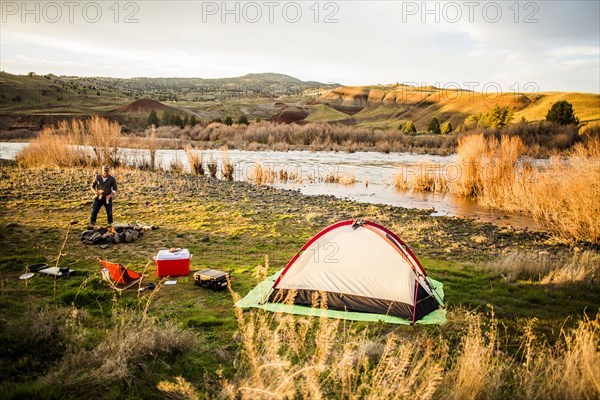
x: 72, y: 336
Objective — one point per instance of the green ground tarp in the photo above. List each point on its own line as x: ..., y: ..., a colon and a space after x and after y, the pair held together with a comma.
x: 257, y: 295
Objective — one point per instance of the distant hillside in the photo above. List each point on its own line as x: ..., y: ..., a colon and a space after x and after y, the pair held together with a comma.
x: 265, y: 96
x: 390, y: 106
x: 48, y: 96
x: 142, y: 106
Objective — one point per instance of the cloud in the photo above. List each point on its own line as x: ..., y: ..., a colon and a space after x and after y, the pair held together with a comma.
x: 371, y: 42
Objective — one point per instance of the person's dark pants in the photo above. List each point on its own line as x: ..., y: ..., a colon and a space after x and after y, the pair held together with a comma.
x: 96, y: 208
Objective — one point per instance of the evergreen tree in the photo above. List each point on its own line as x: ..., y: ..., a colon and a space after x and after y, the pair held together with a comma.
x: 167, y: 118
x: 434, y: 126
x: 562, y: 113
x: 153, y: 119
x: 178, y: 121
x: 228, y: 121
x: 243, y: 120
x: 193, y: 122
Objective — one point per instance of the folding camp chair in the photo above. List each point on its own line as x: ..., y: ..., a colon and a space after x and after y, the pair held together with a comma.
x: 119, y: 277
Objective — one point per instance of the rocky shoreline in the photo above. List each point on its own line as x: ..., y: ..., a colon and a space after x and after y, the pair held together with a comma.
x: 440, y: 237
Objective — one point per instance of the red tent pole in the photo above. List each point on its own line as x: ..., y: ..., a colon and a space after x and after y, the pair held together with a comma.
x: 415, y: 301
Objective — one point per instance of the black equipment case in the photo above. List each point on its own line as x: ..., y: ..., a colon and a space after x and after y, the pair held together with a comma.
x: 211, y: 278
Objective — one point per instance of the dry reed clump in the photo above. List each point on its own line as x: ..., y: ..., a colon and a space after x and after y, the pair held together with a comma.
x: 212, y: 167
x: 57, y: 146
x: 194, y: 158
x: 227, y: 167
x: 51, y: 150
x: 177, y: 166
x: 564, y: 196
x: 580, y: 268
x: 423, y: 177
x: 488, y: 168
x: 103, y: 136
x: 262, y: 175
x: 341, y: 178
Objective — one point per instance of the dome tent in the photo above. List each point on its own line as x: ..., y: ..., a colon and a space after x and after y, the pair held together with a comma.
x: 360, y: 270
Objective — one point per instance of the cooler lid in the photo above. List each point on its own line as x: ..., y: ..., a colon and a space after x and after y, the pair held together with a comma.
x: 181, y: 254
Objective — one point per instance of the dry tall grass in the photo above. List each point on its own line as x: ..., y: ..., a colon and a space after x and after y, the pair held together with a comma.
x: 568, y: 370
x: 103, y: 136
x: 286, y: 356
x: 580, y: 268
x: 341, y: 178
x: 195, y: 160
x: 127, y: 346
x: 488, y: 168
x: 212, y: 167
x: 58, y: 146
x: 562, y: 197
x: 262, y: 175
x: 423, y: 177
x: 227, y: 167
x: 52, y: 150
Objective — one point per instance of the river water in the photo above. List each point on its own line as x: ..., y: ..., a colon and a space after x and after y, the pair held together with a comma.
x: 373, y: 171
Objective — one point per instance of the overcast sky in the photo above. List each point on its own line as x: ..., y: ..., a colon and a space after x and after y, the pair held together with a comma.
x: 525, y: 45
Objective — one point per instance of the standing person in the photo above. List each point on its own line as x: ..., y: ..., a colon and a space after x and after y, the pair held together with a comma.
x: 104, y: 188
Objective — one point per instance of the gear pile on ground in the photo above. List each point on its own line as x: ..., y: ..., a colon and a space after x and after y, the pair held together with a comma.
x: 115, y: 233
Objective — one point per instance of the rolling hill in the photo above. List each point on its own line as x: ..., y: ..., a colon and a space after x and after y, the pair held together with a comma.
x: 389, y: 106
x: 266, y: 96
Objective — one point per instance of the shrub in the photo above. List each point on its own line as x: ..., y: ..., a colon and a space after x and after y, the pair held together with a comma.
x: 434, y: 126
x: 446, y: 128
x: 562, y: 113
x: 410, y: 127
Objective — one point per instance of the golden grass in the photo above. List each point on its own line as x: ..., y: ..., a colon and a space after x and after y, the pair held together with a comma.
x: 212, y: 167
x: 341, y: 178
x: 126, y: 347
x: 51, y: 150
x: 262, y: 175
x: 227, y: 167
x: 562, y: 197
x: 567, y: 370
x: 57, y: 146
x: 286, y: 356
x: 195, y: 160
x: 103, y: 136
x: 581, y: 268
x: 425, y: 176
x: 478, y: 368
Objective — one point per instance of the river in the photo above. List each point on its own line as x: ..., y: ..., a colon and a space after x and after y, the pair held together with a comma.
x: 373, y: 171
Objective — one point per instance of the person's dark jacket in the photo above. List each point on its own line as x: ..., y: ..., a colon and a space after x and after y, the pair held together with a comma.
x: 107, y: 186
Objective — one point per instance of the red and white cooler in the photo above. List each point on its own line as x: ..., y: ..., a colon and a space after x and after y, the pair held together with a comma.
x: 173, y: 262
